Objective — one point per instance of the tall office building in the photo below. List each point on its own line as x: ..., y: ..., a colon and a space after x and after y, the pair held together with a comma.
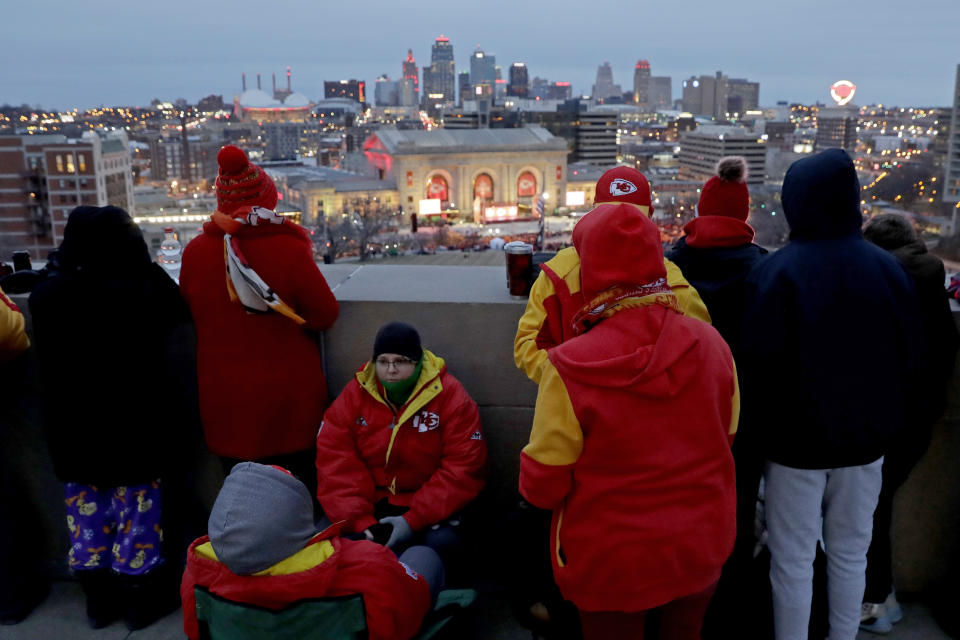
x: 463, y: 87
x: 706, y: 96
x: 641, y: 83
x: 483, y: 72
x: 700, y: 151
x: 660, y: 94
x: 604, y: 89
x: 440, y: 84
x: 386, y: 92
x: 519, y: 85
x: 742, y: 95
x: 951, y: 188
x: 838, y: 127
x: 410, y: 85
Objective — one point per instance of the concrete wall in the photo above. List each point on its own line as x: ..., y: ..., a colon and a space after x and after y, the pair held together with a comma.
x: 465, y: 316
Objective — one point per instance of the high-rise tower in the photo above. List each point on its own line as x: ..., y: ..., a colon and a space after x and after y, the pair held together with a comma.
x: 410, y: 84
x: 641, y: 83
x: 442, y: 85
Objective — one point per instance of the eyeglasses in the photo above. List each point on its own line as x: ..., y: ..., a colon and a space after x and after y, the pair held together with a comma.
x: 399, y: 363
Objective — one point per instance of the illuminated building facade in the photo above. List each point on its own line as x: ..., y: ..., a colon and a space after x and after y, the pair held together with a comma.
x: 519, y: 85
x: 641, y: 83
x: 410, y: 84
x: 483, y: 72
x: 350, y: 89
x: 838, y: 127
x: 440, y: 84
x: 706, y: 95
x: 44, y: 177
x: 700, y: 151
x: 471, y: 173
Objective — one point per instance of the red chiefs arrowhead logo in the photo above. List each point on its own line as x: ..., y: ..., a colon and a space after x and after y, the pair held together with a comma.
x: 621, y: 187
x: 842, y: 92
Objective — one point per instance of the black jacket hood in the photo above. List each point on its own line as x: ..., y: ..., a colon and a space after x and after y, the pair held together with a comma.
x: 102, y: 239
x: 821, y: 196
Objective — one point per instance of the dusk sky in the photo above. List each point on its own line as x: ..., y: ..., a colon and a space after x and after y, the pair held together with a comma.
x: 83, y: 54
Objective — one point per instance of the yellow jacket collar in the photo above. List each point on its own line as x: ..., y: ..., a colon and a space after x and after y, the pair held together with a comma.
x: 312, y: 555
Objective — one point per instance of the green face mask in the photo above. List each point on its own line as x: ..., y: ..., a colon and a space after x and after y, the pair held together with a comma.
x: 398, y: 392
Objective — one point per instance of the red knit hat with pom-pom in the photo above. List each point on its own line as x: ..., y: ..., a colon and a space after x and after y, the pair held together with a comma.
x: 242, y: 183
x: 726, y: 193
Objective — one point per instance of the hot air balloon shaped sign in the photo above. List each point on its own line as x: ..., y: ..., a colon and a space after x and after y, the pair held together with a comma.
x: 842, y: 92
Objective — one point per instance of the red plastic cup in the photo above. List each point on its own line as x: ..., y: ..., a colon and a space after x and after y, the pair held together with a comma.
x: 519, y: 268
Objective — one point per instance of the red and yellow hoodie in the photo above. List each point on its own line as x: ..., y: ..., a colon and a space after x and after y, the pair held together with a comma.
x: 556, y: 296
x: 395, y: 599
x: 630, y: 445
x: 428, y: 455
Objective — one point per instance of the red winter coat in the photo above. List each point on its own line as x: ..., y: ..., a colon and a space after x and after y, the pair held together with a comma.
x: 433, y: 461
x: 631, y: 436
x: 262, y: 390
x: 395, y: 599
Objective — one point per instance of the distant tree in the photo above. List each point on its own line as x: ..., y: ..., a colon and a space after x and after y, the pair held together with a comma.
x: 369, y: 217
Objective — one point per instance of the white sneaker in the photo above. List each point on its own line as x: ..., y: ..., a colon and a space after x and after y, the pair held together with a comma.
x: 892, y: 607
x: 873, y: 618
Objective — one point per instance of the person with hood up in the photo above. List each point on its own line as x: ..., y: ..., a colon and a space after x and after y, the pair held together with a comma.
x: 401, y: 450
x: 895, y: 233
x: 716, y: 254
x: 101, y: 324
x: 256, y: 295
x: 631, y: 437
x: 556, y: 294
x: 831, y: 400
x: 263, y: 550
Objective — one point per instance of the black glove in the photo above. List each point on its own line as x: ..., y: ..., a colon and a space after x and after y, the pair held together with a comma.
x: 379, y: 532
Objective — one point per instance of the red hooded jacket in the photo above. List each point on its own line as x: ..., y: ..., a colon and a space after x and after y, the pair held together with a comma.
x: 433, y: 460
x: 631, y: 438
x: 261, y: 383
x: 395, y: 599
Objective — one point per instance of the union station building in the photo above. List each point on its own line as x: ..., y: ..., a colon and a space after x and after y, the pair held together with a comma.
x: 487, y: 175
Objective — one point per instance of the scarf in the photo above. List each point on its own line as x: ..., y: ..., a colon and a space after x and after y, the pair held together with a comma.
x: 244, y: 284
x: 399, y: 392
x: 619, y: 297
x: 707, y: 232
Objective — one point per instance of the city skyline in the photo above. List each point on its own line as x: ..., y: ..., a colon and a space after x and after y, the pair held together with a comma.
x: 128, y: 54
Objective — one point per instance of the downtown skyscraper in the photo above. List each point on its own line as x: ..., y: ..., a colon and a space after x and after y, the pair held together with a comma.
x: 440, y: 79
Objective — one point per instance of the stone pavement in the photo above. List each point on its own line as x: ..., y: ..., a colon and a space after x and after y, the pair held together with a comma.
x: 62, y: 617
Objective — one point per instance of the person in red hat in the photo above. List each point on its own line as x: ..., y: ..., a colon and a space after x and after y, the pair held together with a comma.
x: 630, y: 446
x: 716, y: 253
x: 256, y: 295
x: 556, y: 295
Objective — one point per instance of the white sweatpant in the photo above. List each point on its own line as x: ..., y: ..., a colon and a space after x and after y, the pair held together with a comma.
x: 796, y: 499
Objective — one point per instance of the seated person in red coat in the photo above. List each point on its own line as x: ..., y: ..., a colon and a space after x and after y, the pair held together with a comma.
x: 630, y: 444
x: 257, y: 297
x: 401, y: 450
x: 263, y: 550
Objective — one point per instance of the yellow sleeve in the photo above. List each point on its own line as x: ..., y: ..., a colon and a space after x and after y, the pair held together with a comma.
x: 735, y: 407
x: 556, y: 441
x: 13, y: 336
x: 556, y: 438
x: 528, y: 356
x: 690, y: 302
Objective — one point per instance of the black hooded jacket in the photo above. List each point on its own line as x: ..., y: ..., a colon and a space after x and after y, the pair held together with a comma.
x: 831, y: 340
x: 101, y: 323
x: 717, y: 273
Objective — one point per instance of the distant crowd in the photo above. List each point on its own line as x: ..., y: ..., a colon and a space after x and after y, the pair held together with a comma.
x: 699, y: 414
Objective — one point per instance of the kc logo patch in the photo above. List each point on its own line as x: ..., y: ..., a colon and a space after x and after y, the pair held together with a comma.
x: 477, y: 435
x: 426, y: 421
x: 621, y: 187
